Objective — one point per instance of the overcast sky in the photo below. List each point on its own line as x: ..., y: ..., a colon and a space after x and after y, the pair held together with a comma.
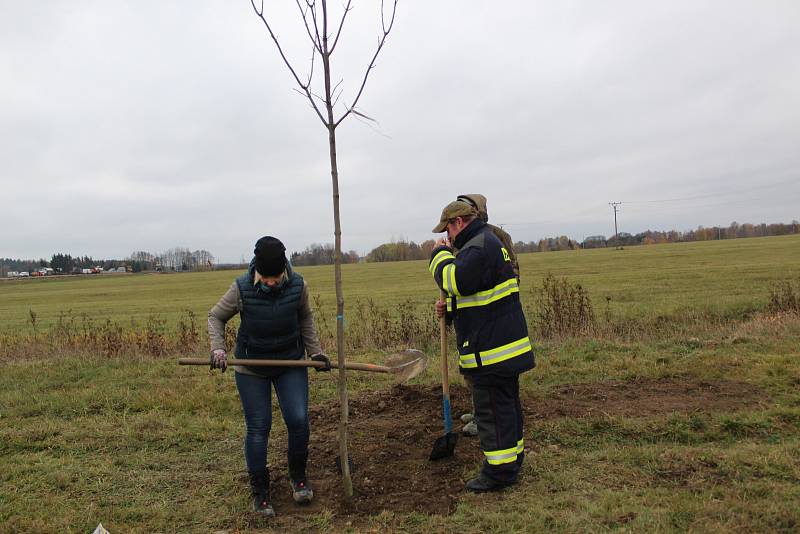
x: 153, y: 124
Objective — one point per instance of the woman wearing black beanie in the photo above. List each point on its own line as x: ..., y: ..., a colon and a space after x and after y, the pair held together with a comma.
x: 276, y: 323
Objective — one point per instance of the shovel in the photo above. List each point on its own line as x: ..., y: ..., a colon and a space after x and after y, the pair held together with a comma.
x: 446, y: 445
x: 403, y: 366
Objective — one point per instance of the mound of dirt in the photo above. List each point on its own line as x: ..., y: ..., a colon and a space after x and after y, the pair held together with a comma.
x: 392, y: 432
x: 391, y: 435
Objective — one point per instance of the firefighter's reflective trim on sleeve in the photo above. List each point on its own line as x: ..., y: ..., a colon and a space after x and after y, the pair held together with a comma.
x: 504, y: 456
x: 438, y: 259
x: 521, y: 446
x: 449, y: 279
x: 484, y: 298
x: 496, y: 355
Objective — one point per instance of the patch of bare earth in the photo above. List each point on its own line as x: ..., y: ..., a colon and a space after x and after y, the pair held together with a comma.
x: 392, y: 432
x: 643, y: 397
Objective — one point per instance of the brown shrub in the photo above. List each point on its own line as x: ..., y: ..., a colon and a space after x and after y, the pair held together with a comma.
x: 784, y: 297
x: 561, y: 309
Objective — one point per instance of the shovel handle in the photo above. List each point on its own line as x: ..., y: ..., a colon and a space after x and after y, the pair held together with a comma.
x: 448, y: 424
x: 355, y: 366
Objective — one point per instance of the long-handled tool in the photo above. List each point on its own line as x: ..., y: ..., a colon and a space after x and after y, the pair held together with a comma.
x: 446, y: 445
x: 403, y: 366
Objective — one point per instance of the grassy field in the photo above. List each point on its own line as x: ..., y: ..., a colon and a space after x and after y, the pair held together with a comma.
x: 718, y: 276
x: 690, y: 427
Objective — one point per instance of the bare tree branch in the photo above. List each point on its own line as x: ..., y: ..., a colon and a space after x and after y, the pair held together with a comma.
x: 311, y: 71
x: 336, y: 98
x: 298, y: 91
x: 286, y: 61
x: 313, y: 5
x: 371, y: 65
x: 374, y: 127
x: 319, y: 97
x: 364, y: 116
x: 347, y: 9
x: 304, y: 14
x: 335, y: 87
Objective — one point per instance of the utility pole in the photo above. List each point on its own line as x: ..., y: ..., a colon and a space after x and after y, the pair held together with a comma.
x: 616, y: 233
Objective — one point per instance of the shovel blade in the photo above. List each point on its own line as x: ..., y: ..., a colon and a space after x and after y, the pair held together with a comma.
x: 407, y: 364
x: 444, y: 446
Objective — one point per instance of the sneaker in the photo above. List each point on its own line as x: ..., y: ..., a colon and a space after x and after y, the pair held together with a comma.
x: 259, y: 488
x: 470, y: 429
x: 301, y: 489
x: 261, y: 505
x: 302, y: 492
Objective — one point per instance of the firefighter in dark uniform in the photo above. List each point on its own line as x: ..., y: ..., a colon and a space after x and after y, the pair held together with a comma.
x: 491, y: 335
x: 478, y: 201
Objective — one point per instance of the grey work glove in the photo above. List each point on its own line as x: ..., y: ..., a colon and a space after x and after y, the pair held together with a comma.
x: 324, y: 359
x: 219, y: 359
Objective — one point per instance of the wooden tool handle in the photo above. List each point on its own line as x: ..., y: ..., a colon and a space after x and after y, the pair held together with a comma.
x: 355, y: 366
x: 443, y: 350
x: 448, y: 423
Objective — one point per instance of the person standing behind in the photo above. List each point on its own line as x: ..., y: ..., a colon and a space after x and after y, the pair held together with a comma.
x: 491, y: 336
x: 276, y: 323
x: 478, y: 201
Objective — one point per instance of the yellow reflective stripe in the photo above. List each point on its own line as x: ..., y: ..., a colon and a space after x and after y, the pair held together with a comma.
x: 439, y: 258
x: 483, y: 298
x: 504, y: 456
x: 521, y: 446
x: 488, y: 296
x: 449, y: 279
x: 497, y: 355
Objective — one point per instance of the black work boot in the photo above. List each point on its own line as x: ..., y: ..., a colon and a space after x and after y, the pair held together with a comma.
x: 259, y: 487
x: 301, y: 488
x: 482, y: 483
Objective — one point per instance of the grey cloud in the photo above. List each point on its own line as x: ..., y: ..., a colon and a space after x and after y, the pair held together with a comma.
x: 178, y: 126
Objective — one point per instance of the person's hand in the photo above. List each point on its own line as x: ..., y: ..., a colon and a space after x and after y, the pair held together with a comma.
x: 219, y: 359
x: 442, y: 242
x: 324, y: 359
x: 441, y: 308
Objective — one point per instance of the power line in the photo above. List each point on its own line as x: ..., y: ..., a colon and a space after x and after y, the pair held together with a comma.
x: 718, y: 194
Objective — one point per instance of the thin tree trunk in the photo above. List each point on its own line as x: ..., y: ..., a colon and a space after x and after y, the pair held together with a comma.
x: 337, y: 263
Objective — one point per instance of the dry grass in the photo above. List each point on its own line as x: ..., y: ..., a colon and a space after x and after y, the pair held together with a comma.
x: 558, y: 310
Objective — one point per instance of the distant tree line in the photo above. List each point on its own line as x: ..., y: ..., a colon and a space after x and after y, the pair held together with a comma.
x: 183, y: 259
x: 401, y: 250
x: 408, y: 250
x: 317, y: 254
x: 732, y: 231
x: 173, y: 259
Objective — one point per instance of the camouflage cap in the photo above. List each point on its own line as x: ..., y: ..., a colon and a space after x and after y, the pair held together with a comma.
x: 479, y: 202
x: 455, y: 209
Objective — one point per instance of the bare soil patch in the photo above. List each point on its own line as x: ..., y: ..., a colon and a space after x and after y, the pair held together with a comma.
x: 644, y: 397
x: 392, y: 432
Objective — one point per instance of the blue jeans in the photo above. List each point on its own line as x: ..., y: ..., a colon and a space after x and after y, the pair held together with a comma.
x: 291, y: 387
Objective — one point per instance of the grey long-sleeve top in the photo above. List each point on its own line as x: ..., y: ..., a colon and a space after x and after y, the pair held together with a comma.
x: 231, y: 303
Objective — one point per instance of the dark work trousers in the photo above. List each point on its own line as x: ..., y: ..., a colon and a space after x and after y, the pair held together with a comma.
x: 255, y: 392
x: 498, y: 412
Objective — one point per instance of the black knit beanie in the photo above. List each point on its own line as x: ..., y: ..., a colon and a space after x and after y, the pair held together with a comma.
x: 270, y: 257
